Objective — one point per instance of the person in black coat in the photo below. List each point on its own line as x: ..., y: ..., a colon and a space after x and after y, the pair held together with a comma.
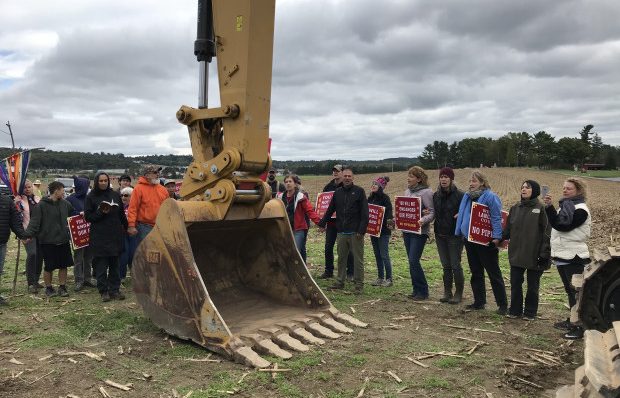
x: 447, y: 200
x: 380, y: 244
x: 108, y: 225
x: 10, y: 220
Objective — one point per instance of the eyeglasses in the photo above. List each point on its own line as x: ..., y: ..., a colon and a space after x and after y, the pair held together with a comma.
x: 125, y: 195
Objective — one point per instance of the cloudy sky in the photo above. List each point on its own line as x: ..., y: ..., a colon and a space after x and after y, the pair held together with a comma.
x: 352, y: 79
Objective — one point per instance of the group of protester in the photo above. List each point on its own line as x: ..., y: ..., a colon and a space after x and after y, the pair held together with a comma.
x: 120, y: 219
x: 536, y: 235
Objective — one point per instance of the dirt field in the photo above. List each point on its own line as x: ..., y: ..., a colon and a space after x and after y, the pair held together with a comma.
x: 35, y: 334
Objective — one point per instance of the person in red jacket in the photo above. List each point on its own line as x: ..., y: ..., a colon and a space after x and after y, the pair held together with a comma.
x: 297, y: 208
x: 146, y: 199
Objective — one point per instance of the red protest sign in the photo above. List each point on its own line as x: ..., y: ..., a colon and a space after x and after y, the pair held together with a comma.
x: 480, y: 228
x: 323, y: 200
x: 375, y: 220
x: 408, y: 212
x: 79, y: 230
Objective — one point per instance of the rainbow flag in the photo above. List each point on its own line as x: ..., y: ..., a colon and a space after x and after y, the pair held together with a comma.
x: 13, y: 171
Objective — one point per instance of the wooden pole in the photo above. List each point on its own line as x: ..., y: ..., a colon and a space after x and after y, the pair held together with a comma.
x: 19, y: 246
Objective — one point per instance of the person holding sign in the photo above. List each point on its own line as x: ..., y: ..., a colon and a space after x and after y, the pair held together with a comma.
x: 351, y: 207
x: 48, y: 223
x: 298, y: 208
x: 417, y: 181
x: 483, y: 257
x: 446, y: 202
x: 528, y: 230
x: 82, y: 257
x: 331, y: 231
x: 569, y: 241
x: 380, y: 244
x: 108, y: 225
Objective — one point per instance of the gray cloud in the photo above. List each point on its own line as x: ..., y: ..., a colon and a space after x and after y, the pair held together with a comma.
x: 351, y: 79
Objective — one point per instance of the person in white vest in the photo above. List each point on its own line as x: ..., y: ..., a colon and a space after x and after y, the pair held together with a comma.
x: 571, y: 225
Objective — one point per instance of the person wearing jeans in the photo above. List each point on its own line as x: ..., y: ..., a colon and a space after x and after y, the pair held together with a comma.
x: 480, y: 257
x: 446, y: 202
x: 571, y: 225
x: 146, y: 199
x: 380, y: 244
x: 331, y: 232
x: 297, y: 208
x: 351, y: 207
x: 417, y: 181
x: 529, y: 251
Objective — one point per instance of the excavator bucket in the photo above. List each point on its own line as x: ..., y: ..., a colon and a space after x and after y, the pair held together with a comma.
x: 237, y: 287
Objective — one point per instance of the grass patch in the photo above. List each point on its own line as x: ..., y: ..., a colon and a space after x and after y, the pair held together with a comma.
x: 8, y: 328
x: 433, y: 382
x: 50, y: 340
x: 540, y: 342
x: 448, y: 362
x: 103, y: 373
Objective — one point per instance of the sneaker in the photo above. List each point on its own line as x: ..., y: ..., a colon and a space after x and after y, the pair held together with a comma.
x: 502, y: 311
x: 418, y: 297
x: 3, y: 301
x: 358, y: 290
x: 563, y: 325
x: 33, y: 289
x: 62, y: 291
x: 350, y: 278
x: 105, y: 297
x: 337, y: 286
x: 378, y: 282
x: 39, y: 286
x: 50, y: 292
x: 79, y: 286
x: 512, y: 316
x: 576, y: 333
x: 388, y: 283
x: 474, y: 307
x: 326, y: 275
x: 117, y: 296
x: 528, y: 318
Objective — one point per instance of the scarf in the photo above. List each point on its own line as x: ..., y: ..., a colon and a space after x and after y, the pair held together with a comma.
x: 417, y: 188
x: 474, y: 195
x: 567, y: 209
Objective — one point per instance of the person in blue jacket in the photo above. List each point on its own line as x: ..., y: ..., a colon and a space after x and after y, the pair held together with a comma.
x: 480, y: 257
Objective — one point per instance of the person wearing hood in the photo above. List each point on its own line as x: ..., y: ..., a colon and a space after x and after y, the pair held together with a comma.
x: 446, y: 202
x: 82, y: 258
x: 529, y: 251
x: 108, y: 224
x: 146, y: 199
x: 571, y: 225
x: 417, y: 186
x: 26, y: 202
x: 48, y: 223
x: 483, y: 258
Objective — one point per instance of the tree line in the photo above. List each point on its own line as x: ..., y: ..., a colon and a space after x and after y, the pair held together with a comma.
x: 523, y: 149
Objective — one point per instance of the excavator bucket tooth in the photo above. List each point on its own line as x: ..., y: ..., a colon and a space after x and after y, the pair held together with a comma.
x: 346, y: 318
x: 216, y: 282
x: 331, y: 323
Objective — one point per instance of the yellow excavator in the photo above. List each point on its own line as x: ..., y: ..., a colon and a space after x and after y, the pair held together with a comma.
x: 220, y: 267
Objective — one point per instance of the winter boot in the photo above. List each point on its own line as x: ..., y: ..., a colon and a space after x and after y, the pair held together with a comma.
x: 459, y: 283
x: 447, y: 285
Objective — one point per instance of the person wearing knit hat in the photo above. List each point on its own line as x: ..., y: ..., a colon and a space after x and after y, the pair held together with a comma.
x: 446, y: 201
x: 529, y: 251
x: 380, y: 244
x: 448, y: 172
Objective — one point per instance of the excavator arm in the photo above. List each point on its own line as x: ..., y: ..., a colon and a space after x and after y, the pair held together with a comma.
x: 220, y: 267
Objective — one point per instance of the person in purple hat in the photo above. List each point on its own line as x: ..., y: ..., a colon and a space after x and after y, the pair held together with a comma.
x: 380, y: 245
x: 449, y: 246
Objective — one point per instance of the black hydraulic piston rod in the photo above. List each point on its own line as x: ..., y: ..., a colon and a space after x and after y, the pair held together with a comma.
x: 204, y: 48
